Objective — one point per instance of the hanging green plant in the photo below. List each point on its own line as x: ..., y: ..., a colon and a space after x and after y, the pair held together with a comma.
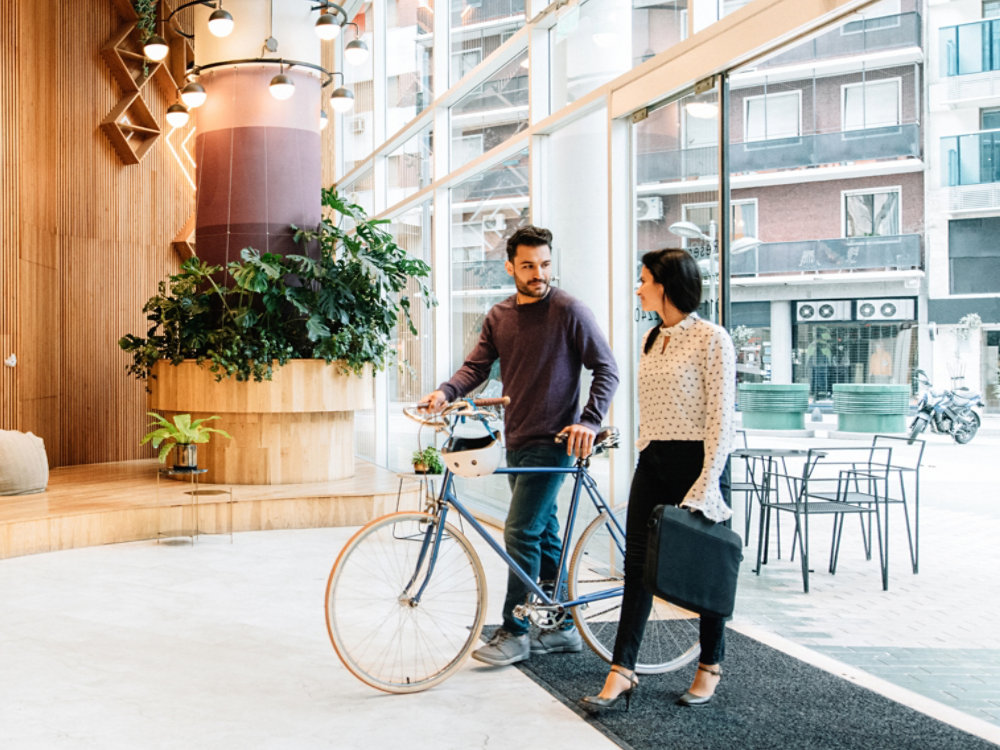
x: 146, y: 10
x: 343, y: 305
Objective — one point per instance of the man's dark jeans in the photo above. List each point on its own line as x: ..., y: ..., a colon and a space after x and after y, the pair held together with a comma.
x: 531, y: 532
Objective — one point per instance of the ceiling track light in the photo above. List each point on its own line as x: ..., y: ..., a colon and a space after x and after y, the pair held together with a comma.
x: 282, y: 87
x: 221, y: 23
x: 193, y: 95
x: 177, y: 115
x: 327, y: 27
x: 155, y: 48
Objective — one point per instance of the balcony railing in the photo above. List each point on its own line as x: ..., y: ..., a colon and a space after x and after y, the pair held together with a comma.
x: 895, y: 253
x: 972, y: 159
x: 970, y: 48
x: 859, y: 37
x: 784, y: 153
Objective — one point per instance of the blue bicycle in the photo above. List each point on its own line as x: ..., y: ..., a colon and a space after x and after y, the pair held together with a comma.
x: 406, y: 598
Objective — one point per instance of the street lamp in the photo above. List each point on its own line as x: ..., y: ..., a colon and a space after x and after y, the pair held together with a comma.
x: 709, y: 263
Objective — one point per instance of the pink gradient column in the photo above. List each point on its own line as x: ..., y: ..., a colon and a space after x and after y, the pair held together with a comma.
x: 258, y: 161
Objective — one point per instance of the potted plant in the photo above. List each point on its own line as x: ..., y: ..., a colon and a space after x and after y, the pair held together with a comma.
x: 183, y: 433
x: 427, y: 461
x: 327, y: 316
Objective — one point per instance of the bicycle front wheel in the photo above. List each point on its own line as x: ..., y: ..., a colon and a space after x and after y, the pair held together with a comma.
x: 383, y: 635
x: 598, y: 565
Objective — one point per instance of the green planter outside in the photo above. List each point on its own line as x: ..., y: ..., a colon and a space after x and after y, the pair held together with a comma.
x: 871, y: 407
x: 774, y: 406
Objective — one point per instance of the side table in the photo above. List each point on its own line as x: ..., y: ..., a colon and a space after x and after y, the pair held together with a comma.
x: 191, y: 509
x: 426, y: 484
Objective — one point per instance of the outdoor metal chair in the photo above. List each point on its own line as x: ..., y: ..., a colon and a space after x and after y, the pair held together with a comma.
x: 833, y: 482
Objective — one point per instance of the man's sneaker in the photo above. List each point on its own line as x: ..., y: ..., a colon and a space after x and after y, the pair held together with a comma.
x: 504, y: 648
x: 557, y: 642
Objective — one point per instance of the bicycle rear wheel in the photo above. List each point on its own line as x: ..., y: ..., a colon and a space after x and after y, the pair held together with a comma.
x: 598, y: 564
x: 381, y: 635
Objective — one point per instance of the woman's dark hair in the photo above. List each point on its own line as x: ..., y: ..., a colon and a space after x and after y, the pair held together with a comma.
x: 678, y: 273
x: 529, y: 235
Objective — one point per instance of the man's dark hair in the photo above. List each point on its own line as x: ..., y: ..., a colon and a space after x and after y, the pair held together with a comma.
x: 678, y: 272
x: 529, y: 235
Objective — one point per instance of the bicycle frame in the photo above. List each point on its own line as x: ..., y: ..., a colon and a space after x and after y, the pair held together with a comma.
x: 448, y: 499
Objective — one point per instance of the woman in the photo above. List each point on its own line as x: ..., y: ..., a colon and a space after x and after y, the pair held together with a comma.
x: 687, y: 381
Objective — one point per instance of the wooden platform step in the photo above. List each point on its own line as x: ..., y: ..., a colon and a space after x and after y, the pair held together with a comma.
x: 124, y: 501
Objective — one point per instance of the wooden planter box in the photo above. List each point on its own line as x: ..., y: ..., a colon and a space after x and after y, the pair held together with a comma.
x: 297, y: 427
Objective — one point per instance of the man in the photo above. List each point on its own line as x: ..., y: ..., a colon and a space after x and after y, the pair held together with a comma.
x: 542, y: 337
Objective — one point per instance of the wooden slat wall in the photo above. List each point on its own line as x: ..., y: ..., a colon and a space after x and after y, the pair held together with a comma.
x: 85, y: 239
x: 8, y: 209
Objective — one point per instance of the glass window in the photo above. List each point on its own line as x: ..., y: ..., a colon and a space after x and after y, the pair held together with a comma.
x: 590, y: 46
x: 413, y: 375
x: 485, y: 210
x: 360, y: 191
x: 871, y: 104
x: 991, y: 8
x: 989, y: 119
x: 409, y: 168
x: 772, y: 116
x: 491, y: 113
x: 871, y: 213
x: 409, y: 60
x: 478, y: 27
x: 358, y: 137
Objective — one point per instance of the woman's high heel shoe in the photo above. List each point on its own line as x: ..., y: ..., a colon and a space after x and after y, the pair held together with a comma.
x: 595, y: 703
x: 690, y: 699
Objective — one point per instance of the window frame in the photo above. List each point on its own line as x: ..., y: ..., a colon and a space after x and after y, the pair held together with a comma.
x: 845, y: 194
x: 845, y: 87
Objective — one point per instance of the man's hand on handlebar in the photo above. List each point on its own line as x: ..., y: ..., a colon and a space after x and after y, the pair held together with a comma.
x: 433, y: 402
x: 579, y: 440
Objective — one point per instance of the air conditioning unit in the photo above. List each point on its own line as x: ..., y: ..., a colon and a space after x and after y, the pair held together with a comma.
x: 823, y: 310
x: 885, y: 309
x: 649, y: 208
x: 495, y: 223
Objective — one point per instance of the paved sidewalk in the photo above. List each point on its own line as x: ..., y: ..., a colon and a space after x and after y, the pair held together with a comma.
x: 934, y: 633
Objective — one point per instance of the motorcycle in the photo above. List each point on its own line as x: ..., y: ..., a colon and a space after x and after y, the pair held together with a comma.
x: 948, y: 412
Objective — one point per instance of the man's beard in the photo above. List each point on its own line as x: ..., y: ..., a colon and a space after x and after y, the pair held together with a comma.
x: 532, y: 291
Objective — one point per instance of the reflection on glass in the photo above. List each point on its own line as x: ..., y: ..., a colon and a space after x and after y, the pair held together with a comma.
x: 409, y: 57
x: 490, y: 113
x: 412, y: 376
x: 358, y: 131
x: 678, y: 139
x: 360, y: 191
x: 478, y: 27
x: 591, y: 45
x: 409, y: 167
x: 485, y: 210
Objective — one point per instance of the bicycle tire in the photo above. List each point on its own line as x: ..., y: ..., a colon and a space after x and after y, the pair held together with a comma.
x: 381, y: 638
x: 671, y: 636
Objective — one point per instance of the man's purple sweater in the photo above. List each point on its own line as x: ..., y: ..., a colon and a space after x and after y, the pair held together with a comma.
x: 541, y: 347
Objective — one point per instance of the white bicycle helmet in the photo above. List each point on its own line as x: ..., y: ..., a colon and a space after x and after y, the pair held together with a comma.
x: 472, y: 456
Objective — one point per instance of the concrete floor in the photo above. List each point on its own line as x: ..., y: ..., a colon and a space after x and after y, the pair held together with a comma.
x: 221, y: 645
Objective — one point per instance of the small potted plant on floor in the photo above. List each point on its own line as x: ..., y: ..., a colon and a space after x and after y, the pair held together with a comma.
x: 427, y: 461
x: 183, y: 433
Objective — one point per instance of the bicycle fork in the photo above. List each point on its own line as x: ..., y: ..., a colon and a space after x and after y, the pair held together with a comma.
x: 429, y: 547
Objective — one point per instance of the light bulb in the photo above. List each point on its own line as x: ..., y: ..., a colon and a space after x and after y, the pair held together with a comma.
x: 327, y: 27
x: 220, y: 23
x: 342, y: 100
x: 155, y: 48
x: 193, y: 95
x: 177, y: 115
x: 323, y: 120
x: 356, y: 52
x: 282, y: 87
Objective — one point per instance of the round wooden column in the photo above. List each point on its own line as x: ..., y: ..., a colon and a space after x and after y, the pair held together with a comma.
x: 297, y: 427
